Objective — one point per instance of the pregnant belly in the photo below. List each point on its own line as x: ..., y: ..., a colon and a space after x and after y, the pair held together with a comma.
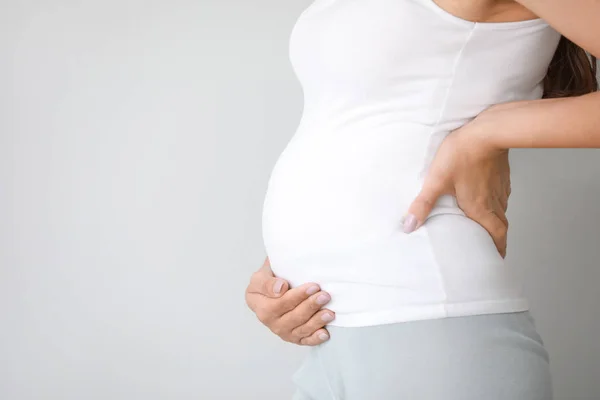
x: 332, y: 215
x: 334, y: 206
x: 337, y: 189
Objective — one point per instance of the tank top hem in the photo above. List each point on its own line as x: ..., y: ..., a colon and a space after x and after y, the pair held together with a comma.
x: 430, y: 311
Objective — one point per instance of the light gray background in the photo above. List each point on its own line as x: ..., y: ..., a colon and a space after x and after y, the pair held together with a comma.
x: 136, y: 140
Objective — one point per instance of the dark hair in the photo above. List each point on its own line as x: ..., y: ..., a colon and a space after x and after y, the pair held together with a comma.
x: 572, y: 72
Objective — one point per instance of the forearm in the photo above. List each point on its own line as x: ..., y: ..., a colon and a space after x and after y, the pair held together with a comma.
x: 572, y: 122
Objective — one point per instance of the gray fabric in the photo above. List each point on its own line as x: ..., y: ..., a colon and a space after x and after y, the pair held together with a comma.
x: 491, y: 357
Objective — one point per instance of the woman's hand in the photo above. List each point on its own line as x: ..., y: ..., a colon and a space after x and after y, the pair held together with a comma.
x: 476, y: 173
x: 295, y: 315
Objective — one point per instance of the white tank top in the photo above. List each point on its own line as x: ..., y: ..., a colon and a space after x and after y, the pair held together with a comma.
x: 384, y: 82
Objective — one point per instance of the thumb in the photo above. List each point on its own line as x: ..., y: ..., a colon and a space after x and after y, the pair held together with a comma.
x: 274, y: 287
x: 421, y: 207
x: 264, y: 282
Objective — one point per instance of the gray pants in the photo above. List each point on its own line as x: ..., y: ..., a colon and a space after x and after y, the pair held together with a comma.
x: 483, y: 357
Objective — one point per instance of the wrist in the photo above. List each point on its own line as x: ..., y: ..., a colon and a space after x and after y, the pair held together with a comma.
x: 505, y: 125
x: 486, y: 130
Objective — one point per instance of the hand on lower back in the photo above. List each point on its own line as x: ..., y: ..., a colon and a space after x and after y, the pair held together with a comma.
x: 476, y: 174
x: 295, y: 315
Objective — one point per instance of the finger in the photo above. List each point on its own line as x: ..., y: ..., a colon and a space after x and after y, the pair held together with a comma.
x: 502, y: 252
x: 265, y: 283
x: 314, y: 323
x: 502, y: 193
x: 501, y: 214
x: 300, y: 309
x: 497, y: 230
x: 316, y: 338
x: 505, y: 174
x: 298, y: 313
x: 506, y: 196
x: 270, y: 309
x: 503, y: 202
x: 421, y: 207
x: 494, y: 225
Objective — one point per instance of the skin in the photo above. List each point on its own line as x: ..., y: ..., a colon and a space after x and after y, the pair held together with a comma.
x: 472, y: 162
x: 469, y: 155
x: 295, y: 315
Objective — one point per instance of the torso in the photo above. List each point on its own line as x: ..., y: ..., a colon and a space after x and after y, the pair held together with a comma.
x: 384, y: 82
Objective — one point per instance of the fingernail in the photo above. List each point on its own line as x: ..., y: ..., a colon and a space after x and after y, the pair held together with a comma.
x: 410, y: 223
x: 323, y: 336
x: 323, y: 299
x: 327, y: 317
x: 312, y: 290
x: 277, y: 286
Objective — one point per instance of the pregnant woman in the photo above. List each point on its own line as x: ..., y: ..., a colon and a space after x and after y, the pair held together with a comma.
x: 388, y: 202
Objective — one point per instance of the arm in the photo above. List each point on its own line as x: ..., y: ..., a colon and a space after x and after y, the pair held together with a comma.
x: 575, y: 19
x: 482, y: 144
x: 572, y: 122
x: 557, y: 123
x: 479, y: 177
x: 553, y: 123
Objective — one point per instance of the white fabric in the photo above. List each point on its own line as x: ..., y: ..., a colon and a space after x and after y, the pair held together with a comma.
x: 384, y: 81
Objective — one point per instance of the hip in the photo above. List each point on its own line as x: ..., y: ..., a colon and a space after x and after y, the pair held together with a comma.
x: 499, y: 356
x: 449, y: 267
